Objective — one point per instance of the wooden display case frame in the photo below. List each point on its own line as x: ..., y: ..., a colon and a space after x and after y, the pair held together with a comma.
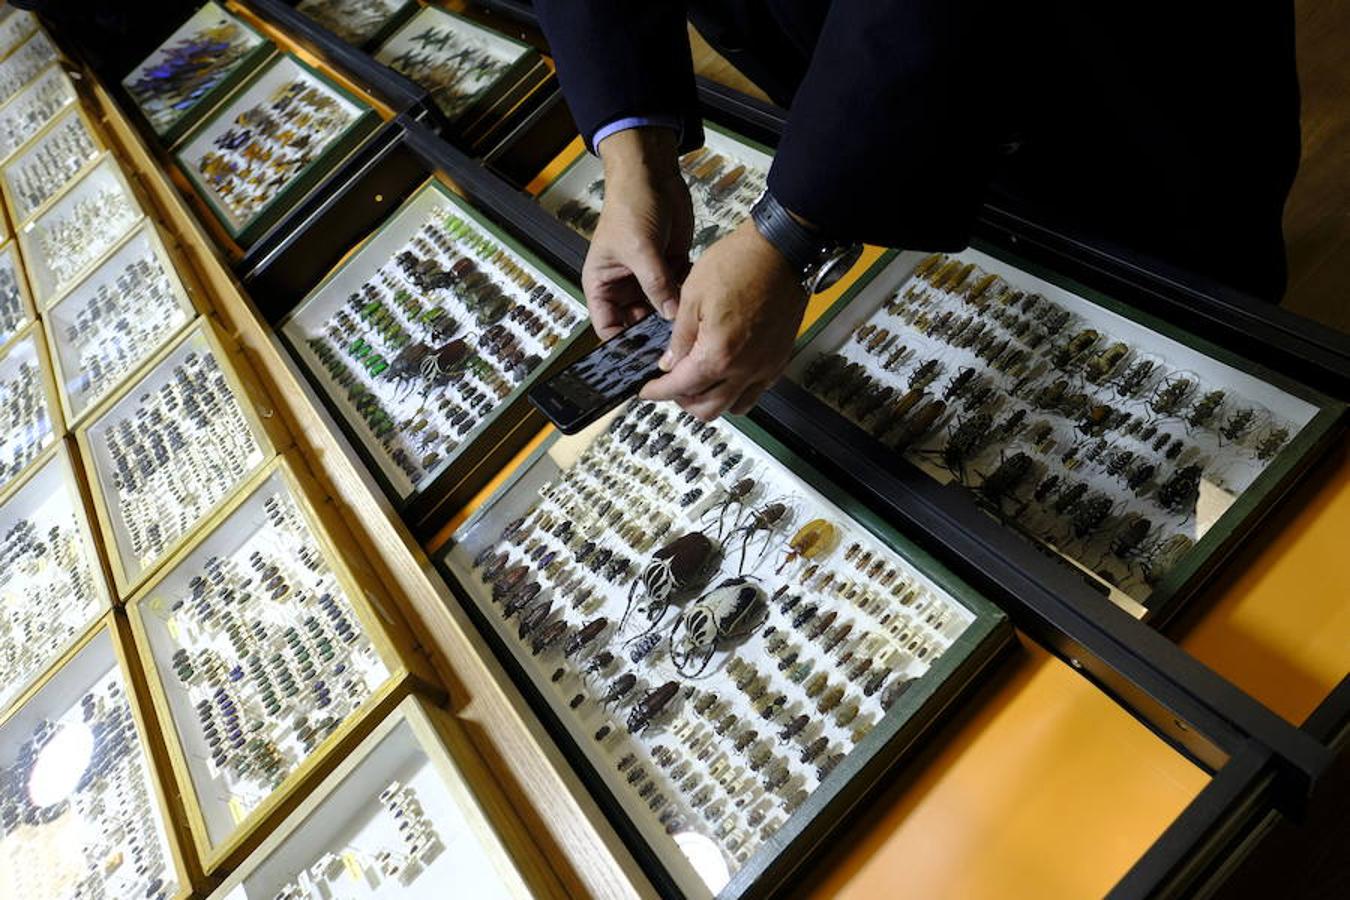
x: 448, y: 750
x: 577, y: 840
x: 77, y: 110
x: 408, y: 670
x: 33, y: 259
x: 11, y: 247
x: 461, y: 475
x: 364, y: 121
x: 34, y: 25
x: 57, y: 58
x: 972, y: 655
x: 167, y: 803
x: 72, y: 98
x: 59, y: 455
x: 186, y: 302
x: 33, y: 331
x: 267, y: 432
x: 242, y: 69
x: 1226, y: 533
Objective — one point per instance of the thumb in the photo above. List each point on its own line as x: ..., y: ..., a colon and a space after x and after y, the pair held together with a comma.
x: 683, y: 335
x: 657, y: 280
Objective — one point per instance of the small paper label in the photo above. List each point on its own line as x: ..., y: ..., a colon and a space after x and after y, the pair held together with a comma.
x: 353, y: 865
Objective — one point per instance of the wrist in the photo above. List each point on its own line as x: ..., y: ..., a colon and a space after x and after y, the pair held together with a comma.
x: 645, y: 149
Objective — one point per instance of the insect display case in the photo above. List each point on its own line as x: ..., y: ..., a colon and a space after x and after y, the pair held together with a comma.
x: 24, y: 64
x: 51, y: 581
x: 27, y: 112
x: 725, y: 177
x: 77, y: 229
x: 357, y: 22
x: 468, y: 69
x: 52, y: 159
x: 168, y: 449
x: 731, y: 651
x: 1128, y: 448
x: 404, y: 815
x: 435, y: 274
x: 269, y: 143
x: 115, y: 319
x: 83, y: 812
x: 269, y: 649
x: 30, y: 415
x: 193, y: 69
x: 16, y: 304
x: 426, y: 338
x: 16, y: 26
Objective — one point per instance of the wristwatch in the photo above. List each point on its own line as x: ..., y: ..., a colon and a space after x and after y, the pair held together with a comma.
x: 820, y: 260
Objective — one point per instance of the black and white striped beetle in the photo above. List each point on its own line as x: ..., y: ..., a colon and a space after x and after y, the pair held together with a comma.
x: 734, y: 609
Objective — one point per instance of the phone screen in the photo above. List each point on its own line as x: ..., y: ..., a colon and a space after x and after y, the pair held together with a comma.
x: 605, y: 377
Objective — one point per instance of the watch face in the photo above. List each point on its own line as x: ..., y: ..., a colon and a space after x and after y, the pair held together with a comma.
x: 833, y: 269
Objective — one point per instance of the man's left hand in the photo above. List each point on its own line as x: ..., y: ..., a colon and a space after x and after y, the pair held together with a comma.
x: 738, y: 316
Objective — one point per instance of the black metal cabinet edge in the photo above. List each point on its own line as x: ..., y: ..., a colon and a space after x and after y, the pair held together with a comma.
x: 515, y: 10
x: 1198, y: 849
x: 1329, y: 723
x: 1184, y: 701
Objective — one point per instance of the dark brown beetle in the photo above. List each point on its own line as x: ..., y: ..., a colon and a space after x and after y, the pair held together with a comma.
x: 650, y: 706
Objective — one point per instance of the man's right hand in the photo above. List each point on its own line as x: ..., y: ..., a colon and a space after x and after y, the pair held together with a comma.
x: 640, y: 250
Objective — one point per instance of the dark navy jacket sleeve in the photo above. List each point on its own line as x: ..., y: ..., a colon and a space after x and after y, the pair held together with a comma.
x: 621, y: 58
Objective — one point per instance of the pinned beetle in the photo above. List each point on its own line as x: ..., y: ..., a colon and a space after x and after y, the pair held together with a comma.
x: 672, y: 568
x: 733, y: 610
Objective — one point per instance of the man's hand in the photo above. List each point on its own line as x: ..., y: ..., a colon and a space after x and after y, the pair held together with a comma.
x: 640, y: 251
x: 739, y: 312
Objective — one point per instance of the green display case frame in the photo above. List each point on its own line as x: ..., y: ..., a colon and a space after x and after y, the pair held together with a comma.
x: 892, y: 741
x: 461, y: 473
x: 362, y: 125
x: 1211, y: 548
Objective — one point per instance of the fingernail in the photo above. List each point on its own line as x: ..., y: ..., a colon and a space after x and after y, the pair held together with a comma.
x: 665, y: 361
x: 669, y: 308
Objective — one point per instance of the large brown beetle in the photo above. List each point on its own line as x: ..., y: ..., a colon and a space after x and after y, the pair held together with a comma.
x: 674, y: 567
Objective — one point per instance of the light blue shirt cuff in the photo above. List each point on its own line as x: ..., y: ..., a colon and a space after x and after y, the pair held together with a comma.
x: 604, y: 131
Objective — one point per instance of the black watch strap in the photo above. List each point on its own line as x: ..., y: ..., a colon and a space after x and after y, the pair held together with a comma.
x: 803, y: 248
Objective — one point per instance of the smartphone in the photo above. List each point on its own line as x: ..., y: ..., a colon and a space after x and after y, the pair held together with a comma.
x: 605, y: 377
